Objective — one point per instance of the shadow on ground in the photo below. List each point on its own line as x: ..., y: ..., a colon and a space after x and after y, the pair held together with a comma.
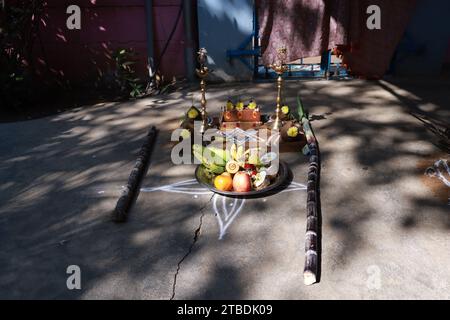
x: 60, y: 178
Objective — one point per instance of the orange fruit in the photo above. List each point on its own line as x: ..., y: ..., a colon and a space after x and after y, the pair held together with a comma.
x: 223, y: 182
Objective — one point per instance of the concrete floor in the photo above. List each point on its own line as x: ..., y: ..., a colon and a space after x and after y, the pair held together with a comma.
x: 386, y: 233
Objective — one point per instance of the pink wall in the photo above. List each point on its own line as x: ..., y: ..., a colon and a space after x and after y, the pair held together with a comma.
x: 83, y: 56
x: 165, y: 13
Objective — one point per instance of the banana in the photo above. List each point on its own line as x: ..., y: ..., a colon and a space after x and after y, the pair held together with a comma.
x: 233, y: 151
x: 219, y: 156
x: 253, y: 158
x: 237, y: 153
x: 240, y: 153
x: 214, y: 168
x: 210, y: 157
x: 198, y: 153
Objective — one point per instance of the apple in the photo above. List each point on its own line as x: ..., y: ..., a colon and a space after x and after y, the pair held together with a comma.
x: 242, y: 182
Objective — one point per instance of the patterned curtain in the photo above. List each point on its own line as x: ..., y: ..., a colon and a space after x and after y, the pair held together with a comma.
x: 370, y: 51
x: 309, y: 27
x: 306, y: 27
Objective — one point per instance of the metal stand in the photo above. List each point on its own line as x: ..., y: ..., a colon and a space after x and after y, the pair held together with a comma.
x: 279, y: 67
x: 202, y: 73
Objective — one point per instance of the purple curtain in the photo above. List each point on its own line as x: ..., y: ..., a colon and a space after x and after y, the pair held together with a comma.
x: 309, y: 27
x: 306, y: 27
x: 370, y: 52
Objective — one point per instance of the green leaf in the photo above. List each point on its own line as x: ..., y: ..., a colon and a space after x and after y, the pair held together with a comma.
x: 301, y: 111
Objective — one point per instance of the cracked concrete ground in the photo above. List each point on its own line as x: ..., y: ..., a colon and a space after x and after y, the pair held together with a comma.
x: 386, y: 232
x: 194, y: 241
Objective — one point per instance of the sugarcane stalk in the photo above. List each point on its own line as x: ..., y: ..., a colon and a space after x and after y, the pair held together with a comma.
x: 312, y: 236
x: 439, y: 128
x: 131, y: 190
x: 310, y: 138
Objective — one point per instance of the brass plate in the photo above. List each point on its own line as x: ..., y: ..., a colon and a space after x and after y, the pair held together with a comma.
x: 281, y: 177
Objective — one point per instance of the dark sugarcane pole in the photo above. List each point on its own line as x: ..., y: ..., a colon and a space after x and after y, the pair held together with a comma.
x: 312, y: 236
x: 131, y: 190
x: 310, y: 272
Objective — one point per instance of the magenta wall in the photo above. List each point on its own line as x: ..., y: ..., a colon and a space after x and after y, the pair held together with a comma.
x: 164, y: 14
x: 83, y: 56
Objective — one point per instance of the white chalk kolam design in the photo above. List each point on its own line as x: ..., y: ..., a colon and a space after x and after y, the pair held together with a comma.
x: 225, y: 216
x: 439, y: 170
x: 225, y: 209
x: 186, y: 187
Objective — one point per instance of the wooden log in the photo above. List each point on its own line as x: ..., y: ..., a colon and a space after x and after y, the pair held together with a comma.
x: 131, y: 190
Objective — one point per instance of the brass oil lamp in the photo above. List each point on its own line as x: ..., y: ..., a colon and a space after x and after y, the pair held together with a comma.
x: 279, y: 67
x: 202, y: 73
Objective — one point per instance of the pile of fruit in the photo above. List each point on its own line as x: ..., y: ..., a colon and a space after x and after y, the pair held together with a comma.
x: 236, y: 169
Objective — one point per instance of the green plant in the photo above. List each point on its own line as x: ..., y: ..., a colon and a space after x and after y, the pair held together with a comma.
x: 125, y: 74
x: 301, y: 111
x: 19, y: 25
